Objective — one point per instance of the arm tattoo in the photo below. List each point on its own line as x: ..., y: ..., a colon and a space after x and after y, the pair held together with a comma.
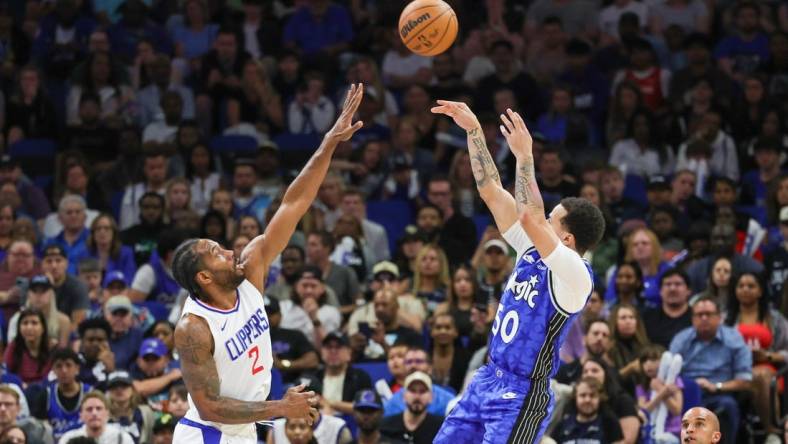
x: 194, y: 343
x: 482, y: 163
x: 526, y: 190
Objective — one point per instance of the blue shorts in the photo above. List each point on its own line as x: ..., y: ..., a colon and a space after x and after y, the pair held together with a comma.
x: 499, y: 407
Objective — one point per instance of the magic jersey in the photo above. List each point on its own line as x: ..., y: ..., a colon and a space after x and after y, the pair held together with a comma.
x: 242, y: 351
x: 531, y: 321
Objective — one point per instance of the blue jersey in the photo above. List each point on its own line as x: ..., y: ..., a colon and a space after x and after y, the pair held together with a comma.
x: 529, y: 326
x: 63, y: 420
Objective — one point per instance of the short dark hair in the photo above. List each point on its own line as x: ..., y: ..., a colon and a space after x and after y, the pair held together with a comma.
x: 65, y: 354
x: 296, y: 248
x: 94, y: 324
x: 706, y: 298
x: 675, y: 272
x: 585, y: 221
x: 169, y: 240
x: 429, y: 205
x: 186, y: 263
x: 152, y: 194
x: 506, y: 44
x: 768, y: 143
x: 326, y: 238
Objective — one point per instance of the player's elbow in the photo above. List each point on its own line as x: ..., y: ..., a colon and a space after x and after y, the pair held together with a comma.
x: 208, y: 410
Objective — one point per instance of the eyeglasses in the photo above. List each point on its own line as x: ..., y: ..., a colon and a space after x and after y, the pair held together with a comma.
x: 705, y: 314
x: 21, y: 254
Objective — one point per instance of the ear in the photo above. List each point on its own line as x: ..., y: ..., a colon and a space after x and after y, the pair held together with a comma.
x: 204, y: 278
x: 568, y: 239
x: 716, y: 437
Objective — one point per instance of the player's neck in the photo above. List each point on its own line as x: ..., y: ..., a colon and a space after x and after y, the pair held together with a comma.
x: 444, y: 350
x: 221, y: 299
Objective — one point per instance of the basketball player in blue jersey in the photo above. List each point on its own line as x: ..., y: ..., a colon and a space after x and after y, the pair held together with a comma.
x: 223, y: 336
x: 509, y: 399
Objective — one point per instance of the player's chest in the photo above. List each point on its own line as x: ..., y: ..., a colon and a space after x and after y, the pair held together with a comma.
x: 527, y: 285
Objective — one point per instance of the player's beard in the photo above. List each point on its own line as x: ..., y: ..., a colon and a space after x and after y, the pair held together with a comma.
x: 228, y: 279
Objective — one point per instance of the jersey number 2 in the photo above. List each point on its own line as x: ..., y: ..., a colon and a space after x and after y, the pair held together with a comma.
x: 256, y: 352
x: 508, y: 326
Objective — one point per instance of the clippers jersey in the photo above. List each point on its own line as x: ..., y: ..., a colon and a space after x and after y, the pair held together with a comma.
x: 529, y: 325
x: 242, y: 351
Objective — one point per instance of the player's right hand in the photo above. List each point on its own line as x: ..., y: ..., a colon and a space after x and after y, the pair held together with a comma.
x: 459, y: 112
x: 516, y: 133
x: 298, y: 404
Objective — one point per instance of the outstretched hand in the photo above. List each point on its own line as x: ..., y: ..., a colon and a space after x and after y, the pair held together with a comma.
x: 459, y: 111
x: 299, y: 404
x: 516, y: 133
x: 344, y: 127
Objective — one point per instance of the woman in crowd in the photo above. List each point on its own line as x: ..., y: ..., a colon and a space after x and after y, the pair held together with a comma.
x: 628, y: 338
x: 644, y: 249
x: 620, y: 402
x: 195, y: 37
x: 249, y: 227
x: 642, y: 152
x: 201, y: 172
x: 449, y: 358
x: 222, y: 201
x: 626, y: 100
x: 719, y: 286
x: 628, y: 285
x: 765, y: 330
x: 652, y: 391
x: 28, y: 354
x: 460, y: 299
x: 214, y: 226
x: 177, y: 198
x: 115, y: 97
x: 104, y: 245
x: 30, y: 113
x: 463, y: 184
x: 260, y: 102
x: 41, y: 297
x: 431, y: 276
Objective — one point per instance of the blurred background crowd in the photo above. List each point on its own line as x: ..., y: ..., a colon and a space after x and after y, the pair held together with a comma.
x: 130, y: 126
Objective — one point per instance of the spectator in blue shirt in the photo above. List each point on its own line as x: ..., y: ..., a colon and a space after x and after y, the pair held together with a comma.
x: 741, y: 54
x: 320, y: 28
x: 418, y: 360
x: 195, y: 37
x: 103, y: 244
x: 134, y: 27
x: 73, y: 238
x: 125, y: 339
x: 717, y: 358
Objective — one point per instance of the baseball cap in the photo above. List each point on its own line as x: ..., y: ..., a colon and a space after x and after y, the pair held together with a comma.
x: 336, y: 336
x: 784, y: 214
x: 412, y: 234
x: 153, y: 346
x: 367, y: 399
x: 164, y: 422
x: 55, y: 250
x: 119, y: 302
x: 399, y: 162
x: 385, y: 267
x: 271, y: 305
x: 310, y: 271
x: 496, y: 243
x: 268, y: 144
x: 418, y: 377
x: 6, y: 161
x: 658, y: 182
x: 41, y: 282
x: 118, y: 378
x: 114, y: 276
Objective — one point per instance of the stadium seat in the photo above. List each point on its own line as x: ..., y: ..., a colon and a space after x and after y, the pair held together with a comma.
x: 234, y: 145
x: 635, y: 188
x: 277, y: 386
x: 297, y: 142
x: 692, y: 393
x: 116, y: 202
x: 481, y: 221
x: 35, y: 156
x: 375, y: 370
x: 394, y: 215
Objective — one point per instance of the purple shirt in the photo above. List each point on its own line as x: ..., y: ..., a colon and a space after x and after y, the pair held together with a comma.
x: 673, y: 422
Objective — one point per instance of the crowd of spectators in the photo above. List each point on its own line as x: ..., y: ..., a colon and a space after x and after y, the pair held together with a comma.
x: 670, y: 115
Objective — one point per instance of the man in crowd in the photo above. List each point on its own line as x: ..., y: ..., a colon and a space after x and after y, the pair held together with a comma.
x: 418, y: 360
x: 342, y: 280
x: 73, y: 238
x: 292, y: 259
x: 458, y: 232
x: 353, y: 203
x: 125, y: 339
x: 700, y: 425
x: 36, y: 431
x: 71, y: 295
x: 94, y: 414
x: 153, y: 372
x: 340, y: 381
x: 415, y: 424
x: 154, y: 170
x: 293, y: 353
x: 673, y: 315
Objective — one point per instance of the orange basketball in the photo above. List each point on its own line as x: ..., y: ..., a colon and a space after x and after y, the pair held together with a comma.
x: 428, y: 27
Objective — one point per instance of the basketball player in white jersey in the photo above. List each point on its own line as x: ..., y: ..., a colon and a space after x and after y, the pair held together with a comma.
x: 223, y: 336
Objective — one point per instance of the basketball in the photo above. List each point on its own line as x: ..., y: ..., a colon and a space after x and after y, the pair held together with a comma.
x: 428, y: 27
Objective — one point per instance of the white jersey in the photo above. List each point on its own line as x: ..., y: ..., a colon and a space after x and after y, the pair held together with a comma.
x: 327, y: 430
x: 242, y: 351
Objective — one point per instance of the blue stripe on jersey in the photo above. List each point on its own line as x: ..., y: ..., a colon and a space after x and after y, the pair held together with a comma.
x: 530, y: 325
x: 216, y: 310
x: 210, y: 435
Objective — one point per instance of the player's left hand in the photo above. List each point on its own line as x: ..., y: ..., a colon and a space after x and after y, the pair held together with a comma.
x: 516, y: 133
x: 344, y: 127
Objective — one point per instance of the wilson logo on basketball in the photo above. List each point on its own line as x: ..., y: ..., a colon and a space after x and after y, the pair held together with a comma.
x: 412, y: 24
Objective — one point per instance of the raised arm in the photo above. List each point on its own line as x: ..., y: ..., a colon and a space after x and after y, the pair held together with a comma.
x: 526, y: 191
x: 488, y: 181
x: 262, y: 250
x: 194, y: 342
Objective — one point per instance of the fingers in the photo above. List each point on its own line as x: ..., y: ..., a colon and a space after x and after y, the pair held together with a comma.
x: 508, y: 124
x: 441, y: 110
x: 521, y: 123
x: 297, y: 388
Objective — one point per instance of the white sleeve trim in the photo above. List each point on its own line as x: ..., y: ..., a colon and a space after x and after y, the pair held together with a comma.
x: 571, y: 282
x: 518, y: 238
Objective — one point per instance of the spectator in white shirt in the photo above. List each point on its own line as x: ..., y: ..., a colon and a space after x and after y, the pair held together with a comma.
x: 154, y: 169
x: 165, y: 130
x: 94, y: 413
x: 311, y: 112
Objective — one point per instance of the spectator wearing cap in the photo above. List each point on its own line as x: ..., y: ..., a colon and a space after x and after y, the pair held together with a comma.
x: 153, y: 372
x: 411, y: 311
x: 153, y: 281
x: 658, y: 192
x: 368, y: 413
x: 143, y: 237
x: 458, y: 233
x: 58, y: 401
x: 149, y: 97
x: 34, y: 202
x: 408, y: 247
x: 270, y: 181
x: 353, y: 203
x: 74, y: 235
x: 127, y: 409
x: 415, y: 424
x: 154, y: 171
x: 94, y: 414
x: 96, y: 357
x: 494, y: 271
x: 114, y: 284
x: 71, y: 294
x: 248, y: 199
x: 125, y: 339
x: 340, y: 381
x: 14, y: 414
x: 308, y: 309
x: 41, y: 296
x: 163, y: 429
x: 293, y: 352
x: 104, y: 244
x: 777, y: 261
x: 342, y: 281
x: 755, y: 183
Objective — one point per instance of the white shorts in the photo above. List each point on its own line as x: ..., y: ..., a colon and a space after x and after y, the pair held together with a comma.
x: 190, y: 432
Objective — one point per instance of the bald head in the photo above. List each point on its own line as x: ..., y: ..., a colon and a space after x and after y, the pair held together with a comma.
x: 700, y: 426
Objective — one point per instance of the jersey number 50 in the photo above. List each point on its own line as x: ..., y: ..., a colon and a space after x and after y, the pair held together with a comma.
x: 508, y: 326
